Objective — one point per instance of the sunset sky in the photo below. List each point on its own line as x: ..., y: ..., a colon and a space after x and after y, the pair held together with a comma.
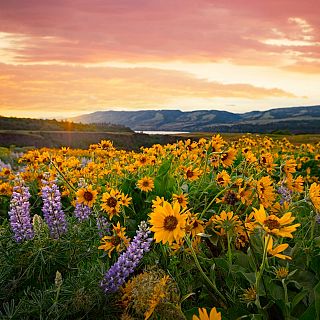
x: 62, y: 58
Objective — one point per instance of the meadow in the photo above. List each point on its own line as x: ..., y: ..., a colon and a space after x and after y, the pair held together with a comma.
x: 208, y: 229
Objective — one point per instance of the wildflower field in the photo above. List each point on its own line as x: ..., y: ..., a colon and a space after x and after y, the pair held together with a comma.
x: 203, y: 229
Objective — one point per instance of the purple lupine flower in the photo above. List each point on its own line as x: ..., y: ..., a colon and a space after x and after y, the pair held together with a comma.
x: 4, y: 165
x: 103, y: 226
x: 285, y: 194
x: 19, y: 214
x: 82, y: 211
x: 52, y: 209
x: 128, y: 261
x: 318, y: 218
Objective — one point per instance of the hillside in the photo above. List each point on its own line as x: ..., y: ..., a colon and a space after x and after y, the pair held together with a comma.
x: 292, y: 120
x: 11, y: 123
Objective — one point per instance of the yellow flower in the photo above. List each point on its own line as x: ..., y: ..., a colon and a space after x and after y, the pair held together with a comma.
x: 203, y: 314
x: 6, y: 189
x: 145, y: 184
x: 194, y: 225
x: 274, y: 225
x: 216, y: 143
x: 225, y: 221
x: 245, y: 194
x: 192, y: 174
x: 111, y: 202
x: 242, y: 239
x: 230, y: 198
x: 265, y: 191
x: 314, y: 193
x: 168, y: 223
x: 290, y: 166
x: 117, y: 241
x: 223, y: 178
x: 266, y: 160
x: 87, y: 196
x: 214, y: 160
x: 181, y: 198
x: 158, y: 201
x: 276, y: 251
x: 158, y: 294
x: 282, y: 272
x: 295, y: 185
x: 125, y: 200
x: 250, y: 157
x: 228, y: 157
x: 106, y: 145
x: 142, y: 160
x: 249, y: 295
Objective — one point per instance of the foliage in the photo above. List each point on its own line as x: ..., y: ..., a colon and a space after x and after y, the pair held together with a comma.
x: 235, y: 229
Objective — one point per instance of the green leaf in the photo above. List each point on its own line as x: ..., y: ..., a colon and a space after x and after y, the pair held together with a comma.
x: 222, y: 263
x: 317, y: 299
x: 165, y: 167
x: 297, y: 298
x: 251, y: 277
x: 309, y: 313
x: 317, y: 242
x: 185, y: 297
x: 276, y: 291
x: 213, y: 273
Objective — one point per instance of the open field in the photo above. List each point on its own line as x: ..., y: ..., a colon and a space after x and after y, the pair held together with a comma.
x: 228, y: 225
x: 39, y: 139
x: 123, y: 140
x: 296, y: 139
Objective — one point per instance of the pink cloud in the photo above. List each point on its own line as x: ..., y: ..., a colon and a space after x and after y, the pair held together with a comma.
x: 140, y: 30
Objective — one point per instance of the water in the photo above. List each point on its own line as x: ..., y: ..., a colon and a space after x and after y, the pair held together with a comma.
x: 161, y: 132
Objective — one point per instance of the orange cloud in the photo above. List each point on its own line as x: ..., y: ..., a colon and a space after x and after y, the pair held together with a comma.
x: 79, y: 89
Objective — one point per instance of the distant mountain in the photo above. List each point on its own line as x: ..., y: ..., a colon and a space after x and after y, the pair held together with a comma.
x: 290, y: 120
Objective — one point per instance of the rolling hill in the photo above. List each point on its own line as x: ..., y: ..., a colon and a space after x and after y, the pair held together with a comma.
x: 289, y: 120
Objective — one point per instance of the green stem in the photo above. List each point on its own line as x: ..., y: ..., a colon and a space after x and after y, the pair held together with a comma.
x: 211, y: 202
x: 63, y: 177
x: 57, y: 295
x: 286, y: 300
x: 313, y: 223
x: 263, y: 263
x: 229, y: 249
x: 210, y: 283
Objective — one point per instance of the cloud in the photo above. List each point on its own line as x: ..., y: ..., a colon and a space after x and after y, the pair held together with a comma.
x: 240, y: 31
x: 79, y: 89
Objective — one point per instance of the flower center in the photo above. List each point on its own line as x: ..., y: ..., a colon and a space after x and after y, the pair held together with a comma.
x: 220, y: 180
x: 272, y: 224
x: 189, y: 173
x: 88, y: 196
x: 224, y: 157
x: 143, y: 160
x: 112, y: 202
x: 145, y: 183
x: 231, y: 198
x: 282, y: 273
x: 170, y: 223
x: 180, y: 199
x: 115, y: 240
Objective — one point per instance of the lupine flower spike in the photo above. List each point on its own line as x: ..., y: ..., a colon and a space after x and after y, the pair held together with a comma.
x: 19, y: 214
x: 128, y: 261
x: 52, y: 209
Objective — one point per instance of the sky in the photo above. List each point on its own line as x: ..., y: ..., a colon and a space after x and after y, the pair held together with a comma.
x: 63, y: 58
